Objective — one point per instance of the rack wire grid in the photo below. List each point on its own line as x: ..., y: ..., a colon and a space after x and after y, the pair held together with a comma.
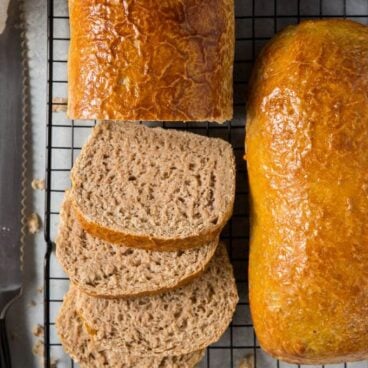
x: 256, y: 22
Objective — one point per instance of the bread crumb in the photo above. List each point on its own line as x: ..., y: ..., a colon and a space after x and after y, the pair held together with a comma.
x: 38, y: 330
x: 247, y: 362
x: 32, y: 303
x: 53, y: 362
x: 59, y: 104
x: 38, y: 184
x: 38, y: 348
x: 40, y: 290
x: 33, y: 223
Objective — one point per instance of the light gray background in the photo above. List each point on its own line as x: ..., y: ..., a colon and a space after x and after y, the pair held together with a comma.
x: 23, y: 315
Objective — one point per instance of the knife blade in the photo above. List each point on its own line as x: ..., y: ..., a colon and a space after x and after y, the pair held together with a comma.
x: 12, y: 153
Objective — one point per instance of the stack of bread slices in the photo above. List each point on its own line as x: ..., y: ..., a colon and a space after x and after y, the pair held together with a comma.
x: 151, y: 286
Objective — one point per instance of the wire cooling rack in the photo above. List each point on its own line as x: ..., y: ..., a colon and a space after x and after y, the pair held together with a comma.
x: 256, y: 22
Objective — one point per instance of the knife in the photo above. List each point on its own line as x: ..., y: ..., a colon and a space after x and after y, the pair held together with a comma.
x: 12, y: 167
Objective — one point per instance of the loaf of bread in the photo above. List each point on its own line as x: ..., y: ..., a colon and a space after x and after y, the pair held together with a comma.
x: 111, y: 270
x: 153, y: 188
x: 177, y: 322
x: 151, y: 60
x: 307, y: 155
x: 78, y: 343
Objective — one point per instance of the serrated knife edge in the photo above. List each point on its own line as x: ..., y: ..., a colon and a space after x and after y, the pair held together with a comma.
x: 12, y: 288
x: 25, y: 124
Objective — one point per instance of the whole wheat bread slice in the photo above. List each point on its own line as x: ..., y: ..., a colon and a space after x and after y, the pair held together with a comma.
x: 177, y: 322
x: 153, y: 188
x: 80, y: 346
x: 103, y: 269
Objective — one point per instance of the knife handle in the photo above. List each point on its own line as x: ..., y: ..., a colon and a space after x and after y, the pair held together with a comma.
x: 4, y: 346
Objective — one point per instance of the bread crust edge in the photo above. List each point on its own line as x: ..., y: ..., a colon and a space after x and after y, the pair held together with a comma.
x: 182, y: 282
x: 293, y: 359
x: 151, y: 243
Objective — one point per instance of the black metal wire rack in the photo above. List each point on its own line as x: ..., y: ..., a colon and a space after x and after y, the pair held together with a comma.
x: 256, y: 22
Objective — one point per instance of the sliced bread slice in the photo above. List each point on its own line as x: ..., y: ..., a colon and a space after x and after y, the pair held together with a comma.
x: 153, y: 188
x: 178, y: 322
x: 103, y: 269
x: 80, y: 346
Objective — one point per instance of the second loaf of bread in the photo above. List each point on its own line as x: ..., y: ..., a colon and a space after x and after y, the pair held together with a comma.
x: 307, y: 144
x: 151, y: 60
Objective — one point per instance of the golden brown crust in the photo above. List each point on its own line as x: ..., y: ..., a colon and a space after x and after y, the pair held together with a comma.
x: 354, y: 357
x: 143, y: 242
x: 308, y: 110
x: 151, y: 60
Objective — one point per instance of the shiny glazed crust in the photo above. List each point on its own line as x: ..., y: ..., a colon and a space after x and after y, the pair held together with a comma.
x: 151, y: 60
x: 306, y: 149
